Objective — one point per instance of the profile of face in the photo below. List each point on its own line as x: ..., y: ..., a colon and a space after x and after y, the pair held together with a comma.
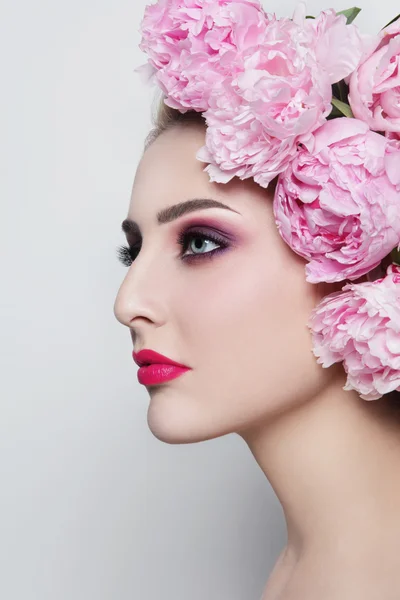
x: 234, y: 310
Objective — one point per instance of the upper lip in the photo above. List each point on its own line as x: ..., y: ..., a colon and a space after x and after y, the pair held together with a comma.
x: 147, y: 357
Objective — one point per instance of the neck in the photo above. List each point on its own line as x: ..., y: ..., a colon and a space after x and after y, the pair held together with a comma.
x: 334, y: 463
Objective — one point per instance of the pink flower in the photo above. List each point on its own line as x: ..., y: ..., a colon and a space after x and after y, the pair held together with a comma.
x: 237, y: 144
x: 330, y: 31
x: 194, y: 44
x: 392, y: 135
x: 374, y: 94
x: 337, y: 204
x: 361, y: 327
x: 257, y: 117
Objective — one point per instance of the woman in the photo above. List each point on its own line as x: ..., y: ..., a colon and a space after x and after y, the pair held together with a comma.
x: 214, y: 287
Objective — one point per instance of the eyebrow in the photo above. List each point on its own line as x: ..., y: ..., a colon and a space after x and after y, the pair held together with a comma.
x: 171, y: 213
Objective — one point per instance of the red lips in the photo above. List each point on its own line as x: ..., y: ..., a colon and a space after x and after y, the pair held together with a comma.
x: 147, y: 357
x: 156, y: 368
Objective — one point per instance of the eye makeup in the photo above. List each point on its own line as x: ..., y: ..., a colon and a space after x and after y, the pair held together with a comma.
x: 127, y: 254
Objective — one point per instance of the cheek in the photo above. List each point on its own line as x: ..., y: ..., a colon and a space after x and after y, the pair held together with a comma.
x: 241, y: 300
x: 248, y: 314
x: 242, y: 323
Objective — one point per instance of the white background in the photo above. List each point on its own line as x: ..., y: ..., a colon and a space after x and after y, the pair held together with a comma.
x: 92, y: 505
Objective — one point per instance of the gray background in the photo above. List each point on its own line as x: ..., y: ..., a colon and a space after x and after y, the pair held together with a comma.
x: 92, y: 506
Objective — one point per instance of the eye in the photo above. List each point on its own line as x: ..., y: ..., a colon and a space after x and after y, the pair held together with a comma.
x: 199, y: 251
x: 127, y: 254
x: 198, y: 242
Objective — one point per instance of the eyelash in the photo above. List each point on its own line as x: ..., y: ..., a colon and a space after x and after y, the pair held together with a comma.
x: 184, y: 238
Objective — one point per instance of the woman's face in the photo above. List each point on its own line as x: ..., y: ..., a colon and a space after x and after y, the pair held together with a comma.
x: 237, y: 316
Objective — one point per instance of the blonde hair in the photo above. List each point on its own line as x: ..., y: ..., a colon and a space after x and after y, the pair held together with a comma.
x: 164, y: 117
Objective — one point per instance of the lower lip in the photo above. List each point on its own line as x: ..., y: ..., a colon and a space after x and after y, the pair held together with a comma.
x: 156, y: 373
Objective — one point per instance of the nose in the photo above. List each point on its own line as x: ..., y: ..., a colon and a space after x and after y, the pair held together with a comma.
x: 143, y: 292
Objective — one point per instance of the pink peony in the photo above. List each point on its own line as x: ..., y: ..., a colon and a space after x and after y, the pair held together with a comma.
x: 338, y: 47
x: 194, y: 44
x: 374, y: 87
x: 337, y: 204
x: 392, y: 135
x: 257, y: 117
x: 237, y: 145
x: 361, y: 327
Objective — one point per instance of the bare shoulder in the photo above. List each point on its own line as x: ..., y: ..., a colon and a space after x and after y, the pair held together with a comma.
x: 336, y: 584
x: 317, y: 577
x: 279, y: 576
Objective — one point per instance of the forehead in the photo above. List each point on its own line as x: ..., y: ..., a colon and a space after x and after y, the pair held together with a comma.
x: 169, y: 167
x: 169, y: 172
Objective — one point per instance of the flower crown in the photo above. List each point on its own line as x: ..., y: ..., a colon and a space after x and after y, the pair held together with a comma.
x: 315, y: 103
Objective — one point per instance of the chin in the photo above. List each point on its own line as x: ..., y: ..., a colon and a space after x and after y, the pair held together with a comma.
x: 178, y: 425
x: 172, y: 435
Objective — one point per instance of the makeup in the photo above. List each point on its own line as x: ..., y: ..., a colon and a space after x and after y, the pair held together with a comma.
x: 189, y: 232
x: 156, y: 373
x: 155, y: 368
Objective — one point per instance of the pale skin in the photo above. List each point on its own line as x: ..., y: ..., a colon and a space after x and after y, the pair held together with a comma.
x: 239, y: 321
